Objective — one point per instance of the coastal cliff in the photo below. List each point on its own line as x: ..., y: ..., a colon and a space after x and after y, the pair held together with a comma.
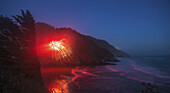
x: 104, y: 44
x: 85, y: 50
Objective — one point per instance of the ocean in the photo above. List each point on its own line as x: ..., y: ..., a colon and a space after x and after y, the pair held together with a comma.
x: 130, y: 75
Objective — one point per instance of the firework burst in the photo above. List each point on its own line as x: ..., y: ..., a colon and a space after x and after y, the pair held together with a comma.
x: 61, y: 50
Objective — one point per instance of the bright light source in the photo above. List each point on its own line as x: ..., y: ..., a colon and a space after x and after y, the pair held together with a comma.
x: 56, y: 45
x: 61, y: 50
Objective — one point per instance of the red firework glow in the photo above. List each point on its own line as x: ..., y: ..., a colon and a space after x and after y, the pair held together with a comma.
x: 56, y: 45
x: 61, y: 50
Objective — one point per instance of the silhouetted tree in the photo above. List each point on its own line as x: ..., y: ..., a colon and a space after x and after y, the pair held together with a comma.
x: 19, y: 64
x: 9, y: 55
x: 28, y: 44
x: 9, y: 46
x: 27, y: 39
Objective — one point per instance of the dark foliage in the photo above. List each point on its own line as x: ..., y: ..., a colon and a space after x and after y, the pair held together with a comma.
x: 85, y: 51
x: 149, y: 88
x: 8, y: 39
x: 19, y: 64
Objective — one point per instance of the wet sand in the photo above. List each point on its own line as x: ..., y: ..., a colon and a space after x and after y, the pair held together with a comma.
x: 125, y: 77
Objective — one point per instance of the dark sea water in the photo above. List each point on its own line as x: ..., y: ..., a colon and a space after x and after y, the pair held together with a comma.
x: 125, y: 77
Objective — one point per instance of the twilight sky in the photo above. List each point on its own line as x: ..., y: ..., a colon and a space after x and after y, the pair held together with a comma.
x: 138, y: 27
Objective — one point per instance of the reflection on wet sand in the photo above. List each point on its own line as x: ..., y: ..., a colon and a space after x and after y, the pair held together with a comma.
x: 57, y: 79
x: 126, y: 77
x: 59, y: 86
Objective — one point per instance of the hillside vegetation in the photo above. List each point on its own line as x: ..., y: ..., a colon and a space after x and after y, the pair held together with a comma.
x: 86, y: 50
